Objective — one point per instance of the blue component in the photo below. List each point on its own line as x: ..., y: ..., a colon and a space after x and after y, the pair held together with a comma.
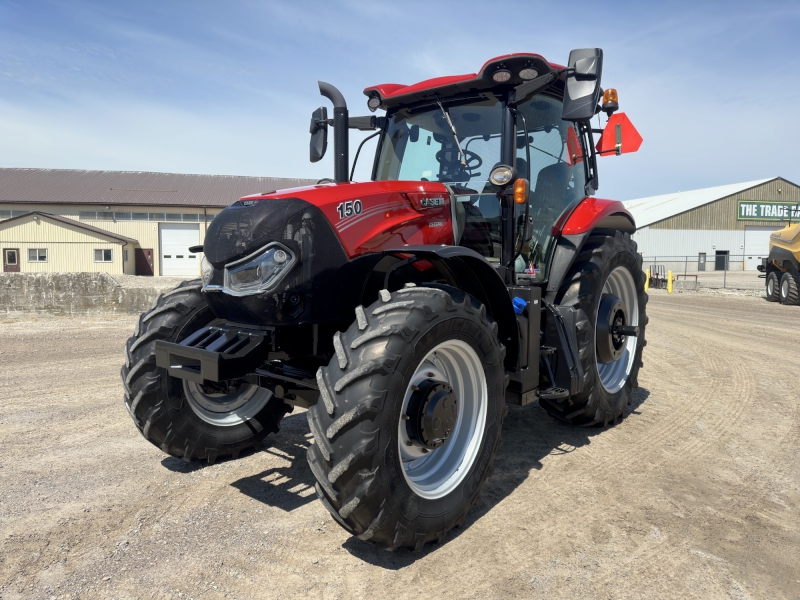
x: 519, y: 304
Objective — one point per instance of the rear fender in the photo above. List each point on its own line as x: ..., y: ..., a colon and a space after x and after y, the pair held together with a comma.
x: 470, y: 272
x: 575, y: 227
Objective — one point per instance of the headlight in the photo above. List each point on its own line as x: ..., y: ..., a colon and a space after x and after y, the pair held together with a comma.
x: 206, y: 271
x: 259, y: 272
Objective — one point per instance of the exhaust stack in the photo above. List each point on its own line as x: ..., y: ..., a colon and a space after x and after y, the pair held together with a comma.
x: 340, y: 132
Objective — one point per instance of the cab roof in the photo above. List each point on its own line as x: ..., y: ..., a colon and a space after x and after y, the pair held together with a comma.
x: 396, y: 94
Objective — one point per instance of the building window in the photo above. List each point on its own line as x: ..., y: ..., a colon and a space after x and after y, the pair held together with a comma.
x: 125, y: 255
x: 102, y: 256
x: 7, y: 214
x: 37, y: 254
x: 90, y: 215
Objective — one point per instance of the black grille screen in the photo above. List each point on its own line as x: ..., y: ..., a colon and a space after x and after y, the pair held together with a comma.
x: 313, y: 291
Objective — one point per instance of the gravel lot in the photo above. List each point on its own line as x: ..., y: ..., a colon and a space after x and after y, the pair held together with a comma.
x: 695, y: 494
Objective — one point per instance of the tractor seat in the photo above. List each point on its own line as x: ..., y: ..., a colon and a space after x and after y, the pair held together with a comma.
x: 552, y: 183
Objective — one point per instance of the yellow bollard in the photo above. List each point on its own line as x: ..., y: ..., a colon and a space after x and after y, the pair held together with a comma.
x: 669, y: 282
x: 646, y: 279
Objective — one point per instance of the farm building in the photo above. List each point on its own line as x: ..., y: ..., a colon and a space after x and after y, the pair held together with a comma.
x: 724, y: 227
x: 114, y: 221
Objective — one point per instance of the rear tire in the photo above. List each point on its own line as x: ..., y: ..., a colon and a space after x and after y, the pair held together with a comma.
x: 789, y: 290
x: 773, y: 287
x: 179, y: 418
x: 371, y: 476
x: 607, y: 263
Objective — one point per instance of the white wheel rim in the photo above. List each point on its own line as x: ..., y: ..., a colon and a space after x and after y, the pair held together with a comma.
x: 770, y: 286
x: 614, y: 375
x: 226, y: 410
x: 438, y: 472
x: 784, y: 289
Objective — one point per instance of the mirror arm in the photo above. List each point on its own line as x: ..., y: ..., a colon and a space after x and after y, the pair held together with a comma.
x: 369, y: 123
x: 525, y: 90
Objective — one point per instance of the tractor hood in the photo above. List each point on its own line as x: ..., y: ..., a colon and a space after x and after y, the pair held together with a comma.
x: 354, y: 218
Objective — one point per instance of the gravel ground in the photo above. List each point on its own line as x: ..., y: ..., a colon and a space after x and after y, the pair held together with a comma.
x: 695, y: 494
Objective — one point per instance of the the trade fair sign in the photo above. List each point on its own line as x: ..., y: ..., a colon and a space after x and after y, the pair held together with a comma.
x: 755, y: 210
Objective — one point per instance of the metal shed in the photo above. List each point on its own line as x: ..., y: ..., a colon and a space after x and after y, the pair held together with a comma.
x: 723, y: 227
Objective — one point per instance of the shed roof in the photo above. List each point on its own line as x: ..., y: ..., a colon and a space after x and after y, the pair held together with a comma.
x: 652, y: 209
x: 67, y: 186
x: 71, y: 223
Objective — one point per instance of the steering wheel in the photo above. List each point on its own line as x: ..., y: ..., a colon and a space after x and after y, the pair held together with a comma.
x: 473, y: 160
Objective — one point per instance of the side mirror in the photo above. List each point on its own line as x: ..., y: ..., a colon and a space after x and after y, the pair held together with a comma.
x: 319, y: 134
x: 582, y: 90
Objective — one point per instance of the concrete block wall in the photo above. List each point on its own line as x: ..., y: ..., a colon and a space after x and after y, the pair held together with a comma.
x: 73, y: 294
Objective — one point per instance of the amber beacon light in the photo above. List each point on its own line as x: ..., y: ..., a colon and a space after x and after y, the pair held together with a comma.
x: 610, y: 101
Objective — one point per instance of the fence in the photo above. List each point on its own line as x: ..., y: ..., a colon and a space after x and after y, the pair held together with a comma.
x: 713, y: 272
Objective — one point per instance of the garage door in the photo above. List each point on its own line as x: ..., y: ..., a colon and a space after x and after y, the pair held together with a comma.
x: 756, y: 244
x: 175, y: 240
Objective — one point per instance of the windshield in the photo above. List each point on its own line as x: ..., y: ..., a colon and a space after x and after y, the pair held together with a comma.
x: 419, y: 144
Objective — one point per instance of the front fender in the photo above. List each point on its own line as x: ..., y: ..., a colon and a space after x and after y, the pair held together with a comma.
x: 467, y: 270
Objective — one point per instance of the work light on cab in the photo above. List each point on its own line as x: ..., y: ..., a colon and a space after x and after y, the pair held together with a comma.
x: 374, y: 102
x: 502, y: 175
x: 501, y: 75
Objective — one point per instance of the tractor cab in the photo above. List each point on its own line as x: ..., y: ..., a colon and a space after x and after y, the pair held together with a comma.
x: 520, y: 116
x: 419, y: 144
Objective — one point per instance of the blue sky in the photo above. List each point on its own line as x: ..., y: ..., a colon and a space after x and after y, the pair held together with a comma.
x: 228, y: 87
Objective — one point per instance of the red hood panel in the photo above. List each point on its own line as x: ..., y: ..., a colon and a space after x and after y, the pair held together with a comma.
x: 377, y: 215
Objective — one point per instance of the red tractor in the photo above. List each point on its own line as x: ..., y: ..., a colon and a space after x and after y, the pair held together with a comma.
x: 475, y: 269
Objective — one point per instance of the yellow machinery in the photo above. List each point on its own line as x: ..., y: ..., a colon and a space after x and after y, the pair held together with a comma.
x: 782, y: 268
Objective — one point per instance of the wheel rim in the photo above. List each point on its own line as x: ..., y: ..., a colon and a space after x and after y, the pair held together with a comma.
x: 241, y: 403
x: 784, y: 288
x: 770, y: 286
x: 613, y: 375
x: 438, y: 472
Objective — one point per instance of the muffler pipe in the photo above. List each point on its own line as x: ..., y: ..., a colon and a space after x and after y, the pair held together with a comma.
x: 341, y: 134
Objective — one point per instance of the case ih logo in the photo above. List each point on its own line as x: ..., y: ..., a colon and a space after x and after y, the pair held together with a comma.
x: 430, y: 202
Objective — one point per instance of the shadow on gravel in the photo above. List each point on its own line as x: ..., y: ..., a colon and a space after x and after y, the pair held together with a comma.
x: 287, y: 487
x: 529, y: 435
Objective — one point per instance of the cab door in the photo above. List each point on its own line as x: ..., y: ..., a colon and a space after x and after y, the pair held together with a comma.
x: 556, y: 176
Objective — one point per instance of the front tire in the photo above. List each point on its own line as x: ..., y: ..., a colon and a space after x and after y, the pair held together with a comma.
x: 185, y: 419
x: 382, y: 476
x: 608, y: 264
